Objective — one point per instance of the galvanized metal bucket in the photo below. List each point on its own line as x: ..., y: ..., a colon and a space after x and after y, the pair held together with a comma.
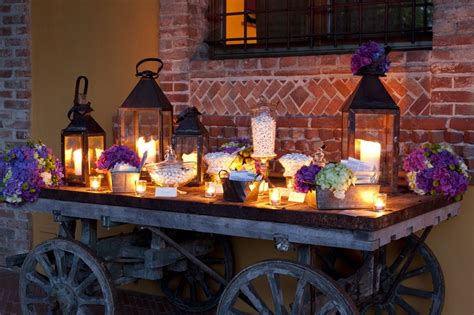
x: 123, y: 182
x: 357, y: 197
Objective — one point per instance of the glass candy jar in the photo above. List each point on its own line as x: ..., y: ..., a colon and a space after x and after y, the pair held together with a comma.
x: 292, y: 162
x: 263, y: 122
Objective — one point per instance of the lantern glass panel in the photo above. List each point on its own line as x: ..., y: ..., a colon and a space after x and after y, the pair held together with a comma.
x: 167, y: 128
x: 73, y: 156
x: 191, y: 148
x: 140, y: 131
x: 96, y: 147
x: 373, y: 138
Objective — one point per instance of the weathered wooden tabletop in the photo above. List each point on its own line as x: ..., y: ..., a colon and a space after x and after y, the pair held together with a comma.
x: 362, y: 229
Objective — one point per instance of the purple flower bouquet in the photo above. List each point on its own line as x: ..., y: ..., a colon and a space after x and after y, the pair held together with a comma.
x: 370, y: 56
x: 25, y: 169
x: 436, y: 169
x: 117, y: 154
x: 305, y: 178
x: 121, y: 164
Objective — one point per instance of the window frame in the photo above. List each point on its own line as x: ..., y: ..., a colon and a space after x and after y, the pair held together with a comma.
x: 219, y: 47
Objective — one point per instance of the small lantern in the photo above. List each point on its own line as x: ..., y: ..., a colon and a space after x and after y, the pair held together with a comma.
x: 82, y: 141
x: 191, y: 141
x: 371, y: 129
x: 146, y: 116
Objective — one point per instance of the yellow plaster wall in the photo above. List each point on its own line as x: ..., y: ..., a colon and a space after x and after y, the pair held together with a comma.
x: 103, y: 39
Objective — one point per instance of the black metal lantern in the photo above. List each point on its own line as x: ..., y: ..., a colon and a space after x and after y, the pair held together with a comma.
x: 146, y: 116
x: 191, y: 141
x: 82, y: 141
x: 371, y: 129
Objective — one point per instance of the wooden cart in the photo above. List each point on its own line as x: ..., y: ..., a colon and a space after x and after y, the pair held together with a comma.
x: 182, y: 242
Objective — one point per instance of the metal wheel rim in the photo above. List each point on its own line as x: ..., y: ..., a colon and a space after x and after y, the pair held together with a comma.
x: 60, y: 279
x: 272, y: 269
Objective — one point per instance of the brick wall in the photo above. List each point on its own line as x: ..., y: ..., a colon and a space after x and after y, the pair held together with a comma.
x: 15, y: 110
x: 434, y: 89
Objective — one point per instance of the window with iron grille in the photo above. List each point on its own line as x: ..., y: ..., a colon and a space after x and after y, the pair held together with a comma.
x: 253, y: 28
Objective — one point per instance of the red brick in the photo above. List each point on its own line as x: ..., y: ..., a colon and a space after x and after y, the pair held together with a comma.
x: 404, y: 103
x: 287, y: 62
x: 461, y: 123
x: 283, y: 133
x: 405, y: 135
x: 418, y: 55
x: 436, y: 136
x: 452, y: 97
x: 414, y: 123
x: 215, y: 120
x: 464, y: 109
x: 469, y: 136
x: 419, y: 105
x: 444, y: 68
x: 326, y: 122
x: 293, y: 122
x: 451, y: 40
x: 268, y: 62
x: 334, y: 106
x: 328, y: 60
x: 311, y: 134
x: 326, y: 134
x: 442, y: 109
x: 419, y: 136
x: 441, y: 82
x: 17, y: 104
x: 453, y: 137
x: 302, y: 146
x: 299, y: 95
x: 342, y: 88
x: 461, y: 82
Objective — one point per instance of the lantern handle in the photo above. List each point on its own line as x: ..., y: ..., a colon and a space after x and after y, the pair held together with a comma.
x: 76, y: 91
x: 149, y: 73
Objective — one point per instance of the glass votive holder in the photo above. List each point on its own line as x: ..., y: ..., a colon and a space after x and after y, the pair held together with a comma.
x: 210, y: 189
x: 290, y: 182
x: 275, y: 196
x: 380, y: 201
x: 95, y: 182
x: 140, y: 187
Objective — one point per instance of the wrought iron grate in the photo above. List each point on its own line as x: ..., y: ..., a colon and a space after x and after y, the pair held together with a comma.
x: 252, y: 28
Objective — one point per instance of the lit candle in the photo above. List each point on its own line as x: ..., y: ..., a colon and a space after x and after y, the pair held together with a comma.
x: 68, y: 156
x: 210, y: 188
x: 275, y: 196
x: 191, y: 158
x: 77, y: 156
x: 380, y: 201
x: 370, y: 153
x: 94, y: 182
x: 98, y: 153
x: 140, y: 187
x: 150, y: 146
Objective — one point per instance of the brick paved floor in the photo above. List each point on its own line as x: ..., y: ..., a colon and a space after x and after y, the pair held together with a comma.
x: 131, y: 303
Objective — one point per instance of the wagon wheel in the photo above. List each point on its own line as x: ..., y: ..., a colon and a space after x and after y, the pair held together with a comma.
x: 64, y: 277
x: 241, y: 297
x: 421, y: 289
x: 194, y: 290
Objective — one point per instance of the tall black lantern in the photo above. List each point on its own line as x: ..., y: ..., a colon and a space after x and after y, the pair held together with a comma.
x: 146, y: 116
x: 191, y: 141
x: 82, y: 141
x: 371, y: 129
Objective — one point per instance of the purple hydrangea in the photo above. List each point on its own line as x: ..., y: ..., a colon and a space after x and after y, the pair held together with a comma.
x: 370, y: 54
x: 435, y: 169
x: 25, y: 169
x: 117, y: 154
x: 415, y: 161
x: 305, y: 178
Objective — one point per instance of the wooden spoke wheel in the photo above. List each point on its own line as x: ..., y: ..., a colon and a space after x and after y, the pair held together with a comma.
x: 63, y: 276
x: 284, y: 287
x: 420, y: 289
x: 193, y: 290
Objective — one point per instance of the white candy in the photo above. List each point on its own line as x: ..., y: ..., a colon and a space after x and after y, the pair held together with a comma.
x: 263, y: 134
x: 172, y: 176
x: 218, y: 161
x: 292, y: 162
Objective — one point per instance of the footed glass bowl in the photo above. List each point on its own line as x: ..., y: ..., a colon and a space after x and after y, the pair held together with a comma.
x: 171, y: 174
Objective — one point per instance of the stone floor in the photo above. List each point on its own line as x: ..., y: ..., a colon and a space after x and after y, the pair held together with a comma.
x: 131, y: 303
